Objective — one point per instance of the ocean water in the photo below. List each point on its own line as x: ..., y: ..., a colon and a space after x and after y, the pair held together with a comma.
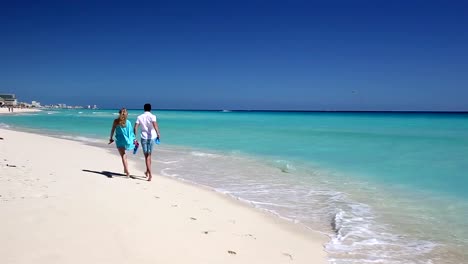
x: 385, y: 187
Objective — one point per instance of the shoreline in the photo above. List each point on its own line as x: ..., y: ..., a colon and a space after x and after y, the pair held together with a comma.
x: 195, y: 219
x: 4, y: 110
x: 94, y: 142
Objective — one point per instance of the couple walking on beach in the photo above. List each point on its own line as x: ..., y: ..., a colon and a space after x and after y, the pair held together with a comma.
x: 125, y: 136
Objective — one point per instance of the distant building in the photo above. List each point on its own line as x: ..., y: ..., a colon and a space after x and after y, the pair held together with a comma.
x: 35, y: 104
x: 8, y: 100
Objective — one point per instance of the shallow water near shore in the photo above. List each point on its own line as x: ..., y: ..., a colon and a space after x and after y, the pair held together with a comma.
x: 385, y: 187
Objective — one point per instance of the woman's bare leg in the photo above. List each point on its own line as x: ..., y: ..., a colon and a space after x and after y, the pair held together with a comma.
x: 123, y: 156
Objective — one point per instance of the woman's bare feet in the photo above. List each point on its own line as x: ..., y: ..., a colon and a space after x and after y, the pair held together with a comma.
x: 146, y: 174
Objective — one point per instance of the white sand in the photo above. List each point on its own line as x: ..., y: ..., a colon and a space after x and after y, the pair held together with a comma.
x: 54, y: 212
x: 4, y: 110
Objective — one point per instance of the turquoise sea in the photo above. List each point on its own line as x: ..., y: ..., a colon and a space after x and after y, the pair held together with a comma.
x: 385, y: 187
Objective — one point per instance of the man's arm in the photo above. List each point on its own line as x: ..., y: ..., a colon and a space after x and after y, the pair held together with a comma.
x: 135, y: 128
x: 156, y: 127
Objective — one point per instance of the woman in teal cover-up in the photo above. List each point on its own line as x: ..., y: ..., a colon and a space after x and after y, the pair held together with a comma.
x: 124, y: 136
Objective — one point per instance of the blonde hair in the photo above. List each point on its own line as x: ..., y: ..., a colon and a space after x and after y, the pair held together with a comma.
x: 122, y: 120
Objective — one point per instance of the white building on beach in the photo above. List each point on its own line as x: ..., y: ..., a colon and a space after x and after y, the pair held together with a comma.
x: 8, y: 100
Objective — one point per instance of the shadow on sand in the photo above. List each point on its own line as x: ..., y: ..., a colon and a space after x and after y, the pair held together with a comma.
x: 110, y: 174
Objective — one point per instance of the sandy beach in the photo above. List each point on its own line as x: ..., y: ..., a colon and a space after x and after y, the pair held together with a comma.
x: 4, y: 110
x: 63, y: 201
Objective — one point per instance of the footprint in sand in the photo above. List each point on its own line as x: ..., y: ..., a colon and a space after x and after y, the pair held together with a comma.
x: 193, y: 218
x: 250, y: 235
x: 245, y: 235
x: 288, y: 255
x: 232, y: 252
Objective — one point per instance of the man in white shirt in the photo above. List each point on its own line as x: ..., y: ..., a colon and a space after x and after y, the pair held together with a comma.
x: 149, y: 132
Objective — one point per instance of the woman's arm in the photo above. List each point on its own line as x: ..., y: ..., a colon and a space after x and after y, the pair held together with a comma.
x: 112, y: 132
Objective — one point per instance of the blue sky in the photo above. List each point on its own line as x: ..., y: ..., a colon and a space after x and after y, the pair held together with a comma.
x: 295, y: 55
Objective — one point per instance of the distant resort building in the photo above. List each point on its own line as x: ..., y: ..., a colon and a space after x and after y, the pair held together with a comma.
x: 36, y: 104
x: 8, y: 100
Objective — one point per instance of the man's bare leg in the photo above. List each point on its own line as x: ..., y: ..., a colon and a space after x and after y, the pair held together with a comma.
x: 148, y: 166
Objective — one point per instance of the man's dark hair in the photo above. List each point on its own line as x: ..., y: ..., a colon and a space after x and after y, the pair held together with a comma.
x: 147, y: 107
